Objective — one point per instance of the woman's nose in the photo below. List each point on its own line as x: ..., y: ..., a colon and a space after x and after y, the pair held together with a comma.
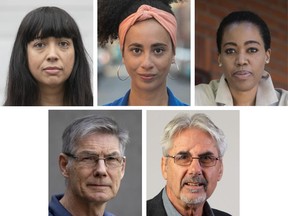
x: 241, y: 59
x: 147, y: 62
x: 52, y: 54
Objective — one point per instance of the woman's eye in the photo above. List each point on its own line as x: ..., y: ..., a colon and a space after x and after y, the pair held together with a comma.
x: 252, y: 50
x: 136, y: 50
x: 39, y: 45
x: 158, y: 51
x: 64, y: 44
x: 230, y: 51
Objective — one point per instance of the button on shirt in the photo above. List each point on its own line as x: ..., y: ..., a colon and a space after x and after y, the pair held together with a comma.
x: 217, y: 93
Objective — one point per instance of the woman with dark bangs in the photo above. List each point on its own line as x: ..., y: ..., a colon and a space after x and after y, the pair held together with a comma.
x: 147, y: 31
x: 48, y: 64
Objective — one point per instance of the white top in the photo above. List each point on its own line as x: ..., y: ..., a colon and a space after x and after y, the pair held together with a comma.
x: 217, y: 93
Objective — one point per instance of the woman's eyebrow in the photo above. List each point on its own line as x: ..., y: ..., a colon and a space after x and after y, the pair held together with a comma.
x: 246, y: 43
x: 251, y: 42
x: 135, y: 45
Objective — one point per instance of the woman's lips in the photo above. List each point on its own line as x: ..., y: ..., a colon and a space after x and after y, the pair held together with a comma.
x: 242, y: 74
x: 52, y: 70
x: 147, y: 77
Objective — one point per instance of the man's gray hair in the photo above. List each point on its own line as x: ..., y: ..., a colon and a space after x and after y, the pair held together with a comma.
x: 184, y: 121
x: 88, y: 125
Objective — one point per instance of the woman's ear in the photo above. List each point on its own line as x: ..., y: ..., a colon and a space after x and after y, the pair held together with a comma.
x: 219, y: 61
x: 63, y: 165
x: 267, y: 56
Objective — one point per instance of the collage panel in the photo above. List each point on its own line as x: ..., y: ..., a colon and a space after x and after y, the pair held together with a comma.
x: 241, y: 53
x: 249, y: 179
x: 143, y: 53
x: 46, y: 53
x: 90, y: 164
x: 177, y: 152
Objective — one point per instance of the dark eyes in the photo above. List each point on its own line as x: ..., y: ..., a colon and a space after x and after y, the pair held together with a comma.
x: 250, y: 50
x: 182, y: 156
x: 40, y: 44
x: 156, y: 51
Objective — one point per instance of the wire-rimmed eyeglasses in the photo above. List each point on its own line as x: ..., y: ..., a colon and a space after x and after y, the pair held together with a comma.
x: 92, y: 160
x: 186, y: 159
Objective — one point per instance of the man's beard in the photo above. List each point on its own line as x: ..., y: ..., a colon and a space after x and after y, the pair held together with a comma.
x: 200, y: 180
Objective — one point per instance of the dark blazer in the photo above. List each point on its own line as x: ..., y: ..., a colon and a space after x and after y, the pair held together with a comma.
x: 155, y: 207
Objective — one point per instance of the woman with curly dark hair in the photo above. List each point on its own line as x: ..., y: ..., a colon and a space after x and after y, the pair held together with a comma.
x: 146, y: 30
x: 48, y: 64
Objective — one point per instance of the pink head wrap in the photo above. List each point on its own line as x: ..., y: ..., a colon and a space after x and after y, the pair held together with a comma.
x: 167, y: 20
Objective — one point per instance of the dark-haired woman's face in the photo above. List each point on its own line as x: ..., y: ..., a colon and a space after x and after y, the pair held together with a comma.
x: 51, y: 60
x: 243, y: 56
x: 148, y: 55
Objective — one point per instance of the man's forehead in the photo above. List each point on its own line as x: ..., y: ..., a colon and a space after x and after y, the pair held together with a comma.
x: 194, y: 139
x: 105, y: 142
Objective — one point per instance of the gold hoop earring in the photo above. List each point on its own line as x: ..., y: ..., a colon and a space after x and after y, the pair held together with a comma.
x: 178, y: 71
x: 118, y: 73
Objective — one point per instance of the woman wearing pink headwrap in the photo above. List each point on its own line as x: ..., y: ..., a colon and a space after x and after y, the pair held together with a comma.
x: 146, y: 30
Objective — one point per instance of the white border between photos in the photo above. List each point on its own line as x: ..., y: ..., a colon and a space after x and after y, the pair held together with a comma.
x: 263, y: 151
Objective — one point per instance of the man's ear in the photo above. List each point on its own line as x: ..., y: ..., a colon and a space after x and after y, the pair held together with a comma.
x: 63, y: 165
x: 220, y: 171
x: 123, y: 168
x: 164, y: 167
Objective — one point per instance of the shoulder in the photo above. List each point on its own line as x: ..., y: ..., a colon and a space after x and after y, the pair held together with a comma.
x: 155, y: 206
x: 220, y: 213
x: 205, y: 94
x: 56, y: 208
x: 123, y: 101
x: 108, y: 214
x: 282, y: 95
x: 173, y: 101
x: 117, y: 102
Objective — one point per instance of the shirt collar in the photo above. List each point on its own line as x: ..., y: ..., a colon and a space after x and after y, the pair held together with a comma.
x: 266, y: 94
x: 171, y: 211
x: 169, y: 208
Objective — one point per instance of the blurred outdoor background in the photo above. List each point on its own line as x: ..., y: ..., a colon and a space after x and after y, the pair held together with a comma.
x: 111, y: 88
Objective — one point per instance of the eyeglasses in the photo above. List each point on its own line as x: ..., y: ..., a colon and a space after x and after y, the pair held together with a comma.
x: 92, y: 160
x: 186, y: 160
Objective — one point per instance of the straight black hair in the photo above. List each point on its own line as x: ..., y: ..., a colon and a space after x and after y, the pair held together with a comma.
x: 43, y: 22
x: 240, y: 17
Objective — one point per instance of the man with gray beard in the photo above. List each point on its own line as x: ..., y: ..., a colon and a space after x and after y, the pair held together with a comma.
x: 193, y: 148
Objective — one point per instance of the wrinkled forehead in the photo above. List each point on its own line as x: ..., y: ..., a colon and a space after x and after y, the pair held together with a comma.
x: 99, y: 142
x: 194, y: 140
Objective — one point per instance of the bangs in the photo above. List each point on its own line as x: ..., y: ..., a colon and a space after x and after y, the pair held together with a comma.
x: 49, y: 22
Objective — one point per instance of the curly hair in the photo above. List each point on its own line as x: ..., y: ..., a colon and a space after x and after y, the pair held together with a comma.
x: 112, y: 12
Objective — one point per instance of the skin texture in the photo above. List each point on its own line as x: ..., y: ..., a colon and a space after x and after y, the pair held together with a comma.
x: 90, y: 188
x: 189, y: 199
x: 148, y: 55
x: 51, y: 61
x: 243, y: 58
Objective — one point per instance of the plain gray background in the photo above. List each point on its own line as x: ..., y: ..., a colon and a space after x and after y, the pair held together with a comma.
x: 226, y: 195
x: 13, y: 11
x: 128, y: 199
